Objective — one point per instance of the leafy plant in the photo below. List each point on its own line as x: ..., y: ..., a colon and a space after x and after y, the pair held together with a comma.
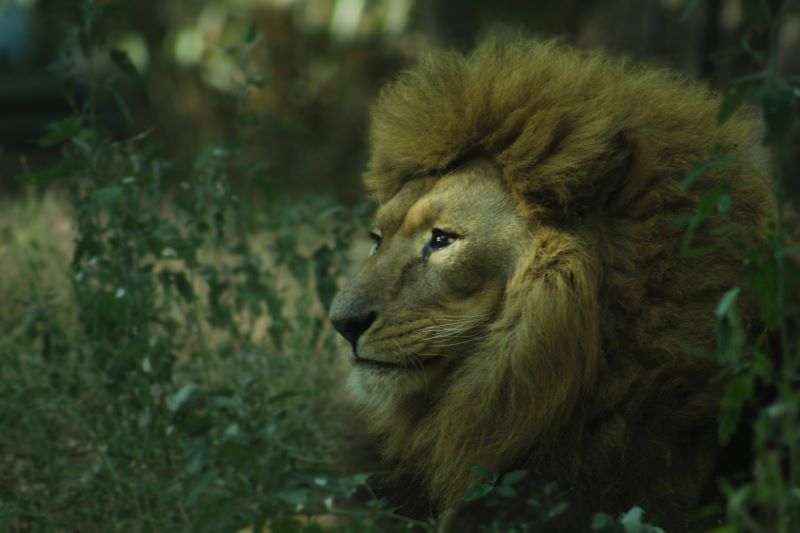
x: 502, y: 496
x: 628, y: 522
x: 187, y: 390
x: 769, y: 499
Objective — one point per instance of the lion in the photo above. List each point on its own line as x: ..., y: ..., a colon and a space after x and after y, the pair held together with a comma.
x: 526, y: 304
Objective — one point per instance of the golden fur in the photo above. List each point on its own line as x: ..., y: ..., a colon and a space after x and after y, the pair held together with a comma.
x: 583, y: 374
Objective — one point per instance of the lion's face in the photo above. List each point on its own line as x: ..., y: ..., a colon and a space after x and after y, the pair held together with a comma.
x: 434, y: 281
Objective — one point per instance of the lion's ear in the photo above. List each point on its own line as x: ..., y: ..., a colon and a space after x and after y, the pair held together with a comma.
x: 610, y: 173
x: 563, y: 184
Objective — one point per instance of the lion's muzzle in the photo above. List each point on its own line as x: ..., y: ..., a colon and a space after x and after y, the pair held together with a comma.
x: 352, y: 315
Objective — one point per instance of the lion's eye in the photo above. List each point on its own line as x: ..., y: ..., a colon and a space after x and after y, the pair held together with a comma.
x: 376, y: 242
x: 441, y: 239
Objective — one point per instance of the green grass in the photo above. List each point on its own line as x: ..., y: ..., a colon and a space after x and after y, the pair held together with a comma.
x: 240, y: 429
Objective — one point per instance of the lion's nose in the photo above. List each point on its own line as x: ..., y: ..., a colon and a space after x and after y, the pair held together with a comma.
x: 352, y: 326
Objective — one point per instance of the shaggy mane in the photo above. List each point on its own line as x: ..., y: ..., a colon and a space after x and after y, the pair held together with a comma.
x: 586, y: 376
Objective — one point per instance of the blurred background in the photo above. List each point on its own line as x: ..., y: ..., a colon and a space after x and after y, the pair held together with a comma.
x: 313, y: 67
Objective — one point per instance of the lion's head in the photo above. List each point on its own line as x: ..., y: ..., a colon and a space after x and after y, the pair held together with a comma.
x: 433, y: 285
x: 526, y: 303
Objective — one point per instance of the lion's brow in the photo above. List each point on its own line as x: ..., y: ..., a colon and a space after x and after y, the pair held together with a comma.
x: 404, y: 218
x: 391, y: 216
x: 388, y: 218
x: 417, y: 215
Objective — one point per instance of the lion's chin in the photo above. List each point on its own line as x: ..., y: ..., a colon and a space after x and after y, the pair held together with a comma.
x: 379, y: 387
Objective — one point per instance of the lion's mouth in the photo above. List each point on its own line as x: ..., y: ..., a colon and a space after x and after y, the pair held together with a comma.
x: 386, y: 366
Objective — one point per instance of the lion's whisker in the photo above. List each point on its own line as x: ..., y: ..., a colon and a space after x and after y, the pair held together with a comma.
x: 459, y: 316
x: 454, y: 332
x: 451, y: 329
x: 464, y: 341
x: 453, y: 325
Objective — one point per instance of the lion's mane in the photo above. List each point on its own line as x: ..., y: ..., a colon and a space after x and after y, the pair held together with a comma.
x: 586, y: 377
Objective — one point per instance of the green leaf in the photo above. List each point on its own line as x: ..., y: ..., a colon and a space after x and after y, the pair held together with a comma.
x: 724, y: 202
x: 736, y: 393
x: 730, y: 340
x: 200, y: 487
x: 295, y: 498
x: 557, y: 509
x: 763, y: 367
x: 123, y: 62
x: 758, y: 56
x: 628, y: 522
x: 477, y: 492
x: 61, y: 131
x: 485, y: 473
x: 699, y: 169
x: 175, y: 401
x: 288, y: 394
x: 632, y: 522
x: 356, y: 480
x: 108, y: 197
x: 514, y: 477
x: 735, y: 96
x: 730, y: 337
x: 704, y: 210
x: 727, y: 303
x: 505, y: 492
x: 605, y: 523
